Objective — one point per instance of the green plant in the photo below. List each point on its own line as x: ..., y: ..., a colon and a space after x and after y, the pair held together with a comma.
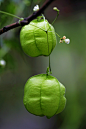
x: 39, y: 38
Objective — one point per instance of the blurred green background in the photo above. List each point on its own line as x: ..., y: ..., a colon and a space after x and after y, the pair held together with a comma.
x: 68, y: 63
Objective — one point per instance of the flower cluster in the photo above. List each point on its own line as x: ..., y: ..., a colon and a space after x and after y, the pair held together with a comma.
x: 64, y: 39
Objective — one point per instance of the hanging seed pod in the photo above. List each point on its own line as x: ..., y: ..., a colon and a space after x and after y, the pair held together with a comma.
x: 38, y: 38
x: 44, y: 95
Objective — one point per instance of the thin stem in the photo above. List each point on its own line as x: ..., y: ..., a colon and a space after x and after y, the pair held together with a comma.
x: 49, y: 72
x: 44, y: 21
x: 58, y: 35
x: 56, y: 17
x: 49, y: 64
x: 37, y: 27
x: 10, y: 14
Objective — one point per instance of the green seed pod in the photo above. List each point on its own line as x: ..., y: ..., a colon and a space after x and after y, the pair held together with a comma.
x: 44, y: 95
x: 38, y: 38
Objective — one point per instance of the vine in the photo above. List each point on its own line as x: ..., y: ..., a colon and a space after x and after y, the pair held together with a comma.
x: 28, y: 19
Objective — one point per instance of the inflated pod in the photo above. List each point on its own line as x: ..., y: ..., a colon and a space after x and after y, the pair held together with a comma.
x: 38, y: 38
x: 44, y: 95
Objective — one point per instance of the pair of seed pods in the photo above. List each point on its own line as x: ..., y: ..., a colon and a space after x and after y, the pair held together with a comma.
x: 43, y: 94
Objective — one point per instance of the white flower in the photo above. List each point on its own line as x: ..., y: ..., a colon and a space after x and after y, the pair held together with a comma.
x: 2, y: 63
x: 67, y: 41
x: 64, y: 37
x: 36, y: 8
x: 60, y: 41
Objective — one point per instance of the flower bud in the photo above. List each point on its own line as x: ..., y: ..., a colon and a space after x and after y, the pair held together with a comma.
x: 36, y: 8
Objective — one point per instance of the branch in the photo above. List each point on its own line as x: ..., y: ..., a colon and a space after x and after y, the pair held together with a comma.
x: 26, y: 20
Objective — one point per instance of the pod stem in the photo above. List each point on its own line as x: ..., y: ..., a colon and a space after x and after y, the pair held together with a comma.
x: 49, y: 65
x: 48, y: 71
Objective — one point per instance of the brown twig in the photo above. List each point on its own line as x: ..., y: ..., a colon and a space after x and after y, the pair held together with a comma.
x: 26, y: 20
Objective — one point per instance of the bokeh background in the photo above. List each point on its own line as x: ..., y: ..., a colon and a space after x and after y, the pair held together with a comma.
x: 68, y: 63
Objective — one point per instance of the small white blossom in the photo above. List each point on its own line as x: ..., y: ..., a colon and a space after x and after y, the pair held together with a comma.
x: 36, y: 8
x: 67, y: 41
x: 2, y: 63
x: 64, y: 37
x: 61, y: 41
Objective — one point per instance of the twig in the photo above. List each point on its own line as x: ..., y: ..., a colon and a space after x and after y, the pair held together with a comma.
x: 26, y: 20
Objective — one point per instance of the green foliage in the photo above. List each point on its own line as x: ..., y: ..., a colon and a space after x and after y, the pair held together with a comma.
x: 68, y: 63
